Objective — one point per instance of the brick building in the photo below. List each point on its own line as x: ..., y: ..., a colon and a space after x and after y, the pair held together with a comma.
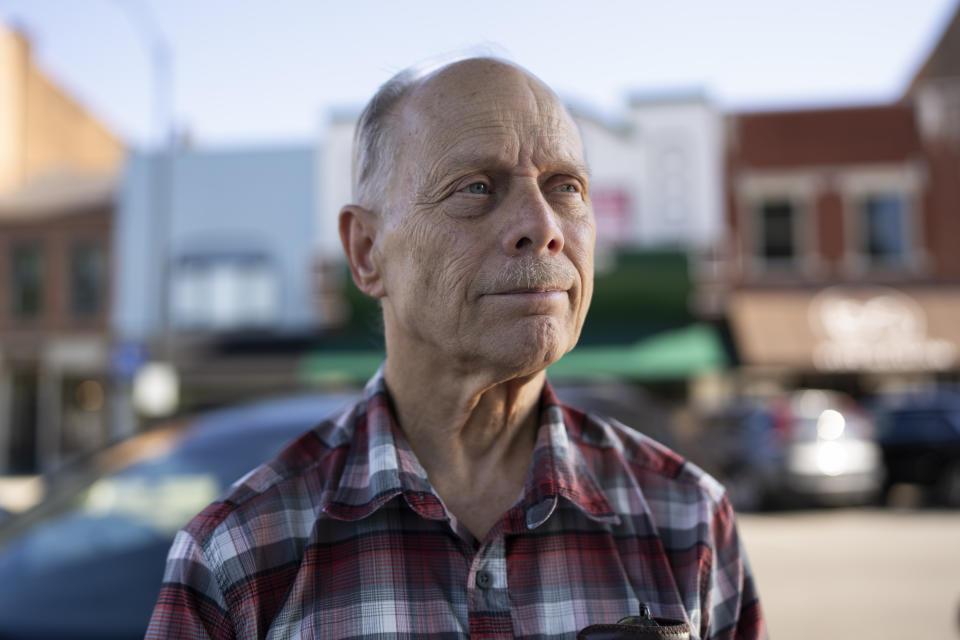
x: 58, y: 167
x: 842, y: 264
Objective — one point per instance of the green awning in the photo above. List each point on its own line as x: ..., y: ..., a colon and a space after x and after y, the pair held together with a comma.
x: 670, y: 355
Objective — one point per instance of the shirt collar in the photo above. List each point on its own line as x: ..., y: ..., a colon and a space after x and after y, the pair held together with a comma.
x: 380, y: 465
x: 559, y: 469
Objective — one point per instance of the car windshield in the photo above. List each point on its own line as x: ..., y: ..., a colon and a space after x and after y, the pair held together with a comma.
x: 95, y: 554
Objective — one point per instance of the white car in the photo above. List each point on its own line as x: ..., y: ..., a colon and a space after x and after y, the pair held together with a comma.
x: 831, y: 452
x: 806, y: 448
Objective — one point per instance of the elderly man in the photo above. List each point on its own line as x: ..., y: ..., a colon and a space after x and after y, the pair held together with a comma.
x: 460, y: 498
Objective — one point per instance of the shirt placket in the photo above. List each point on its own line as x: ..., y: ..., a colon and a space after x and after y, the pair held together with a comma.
x: 487, y: 596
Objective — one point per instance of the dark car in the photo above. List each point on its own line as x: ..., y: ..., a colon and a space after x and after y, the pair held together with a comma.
x: 920, y: 438
x: 624, y: 402
x: 739, y: 445
x: 88, y: 561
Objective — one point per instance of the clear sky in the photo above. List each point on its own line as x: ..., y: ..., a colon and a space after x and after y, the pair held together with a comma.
x: 271, y: 70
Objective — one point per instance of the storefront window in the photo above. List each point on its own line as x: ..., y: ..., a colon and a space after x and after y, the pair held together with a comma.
x: 21, y: 453
x: 224, y: 292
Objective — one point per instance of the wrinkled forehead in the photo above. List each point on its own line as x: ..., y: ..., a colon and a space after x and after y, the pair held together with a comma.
x: 460, y: 103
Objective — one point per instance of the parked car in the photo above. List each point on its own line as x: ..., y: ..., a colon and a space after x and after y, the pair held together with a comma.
x: 920, y: 438
x: 811, y: 447
x: 740, y: 447
x: 88, y: 561
x: 623, y: 401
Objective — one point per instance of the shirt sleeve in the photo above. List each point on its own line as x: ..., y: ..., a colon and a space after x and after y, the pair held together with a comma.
x: 733, y: 607
x: 191, y: 605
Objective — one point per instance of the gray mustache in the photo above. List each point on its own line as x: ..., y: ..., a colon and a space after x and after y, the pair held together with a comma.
x: 530, y: 272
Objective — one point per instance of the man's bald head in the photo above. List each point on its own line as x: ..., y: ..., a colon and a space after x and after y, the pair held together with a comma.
x: 473, y: 224
x: 376, y: 145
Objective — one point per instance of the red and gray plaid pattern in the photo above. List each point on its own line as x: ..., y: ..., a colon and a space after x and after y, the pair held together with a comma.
x: 341, y: 536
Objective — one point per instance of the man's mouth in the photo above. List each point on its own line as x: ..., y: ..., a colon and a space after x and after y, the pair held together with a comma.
x: 532, y: 290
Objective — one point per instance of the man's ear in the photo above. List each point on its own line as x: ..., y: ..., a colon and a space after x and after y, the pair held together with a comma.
x: 358, y: 233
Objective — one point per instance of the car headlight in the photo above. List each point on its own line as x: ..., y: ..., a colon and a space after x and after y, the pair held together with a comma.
x: 830, y: 425
x: 831, y: 458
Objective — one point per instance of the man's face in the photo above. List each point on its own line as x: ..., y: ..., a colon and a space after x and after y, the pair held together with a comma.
x: 486, y: 249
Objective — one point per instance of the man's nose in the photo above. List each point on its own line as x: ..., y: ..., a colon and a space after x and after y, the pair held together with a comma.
x: 532, y: 225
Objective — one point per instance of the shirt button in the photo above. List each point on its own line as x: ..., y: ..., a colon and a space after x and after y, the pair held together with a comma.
x: 484, y: 579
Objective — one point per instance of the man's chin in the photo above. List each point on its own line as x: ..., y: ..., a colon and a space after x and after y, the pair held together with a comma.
x: 530, y: 351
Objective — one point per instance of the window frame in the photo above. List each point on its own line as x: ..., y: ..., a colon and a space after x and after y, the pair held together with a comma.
x: 800, y: 187
x: 860, y: 183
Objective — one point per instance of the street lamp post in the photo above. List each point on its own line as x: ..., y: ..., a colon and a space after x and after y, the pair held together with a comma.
x: 160, y: 181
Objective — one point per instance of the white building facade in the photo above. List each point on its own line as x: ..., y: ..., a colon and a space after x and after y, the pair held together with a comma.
x: 657, y: 174
x: 213, y: 277
x: 216, y: 241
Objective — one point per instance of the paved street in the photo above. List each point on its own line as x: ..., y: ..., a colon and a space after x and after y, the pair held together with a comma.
x: 857, y: 574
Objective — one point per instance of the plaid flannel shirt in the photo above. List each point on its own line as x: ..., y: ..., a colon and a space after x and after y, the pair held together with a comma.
x: 342, y: 536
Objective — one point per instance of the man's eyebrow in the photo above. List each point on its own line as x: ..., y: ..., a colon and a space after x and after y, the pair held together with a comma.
x: 577, y: 169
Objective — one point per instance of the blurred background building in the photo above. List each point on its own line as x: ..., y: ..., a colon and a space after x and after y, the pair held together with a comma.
x: 753, y: 252
x: 214, y: 254
x: 58, y: 168
x: 840, y: 266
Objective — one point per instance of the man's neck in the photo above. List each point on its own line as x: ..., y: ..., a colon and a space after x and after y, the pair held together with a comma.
x: 473, y: 434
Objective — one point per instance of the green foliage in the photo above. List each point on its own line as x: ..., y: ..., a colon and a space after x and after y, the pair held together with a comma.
x: 644, y: 293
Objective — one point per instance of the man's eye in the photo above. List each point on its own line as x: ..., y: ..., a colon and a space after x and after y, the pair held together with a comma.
x: 568, y: 187
x: 478, y: 188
